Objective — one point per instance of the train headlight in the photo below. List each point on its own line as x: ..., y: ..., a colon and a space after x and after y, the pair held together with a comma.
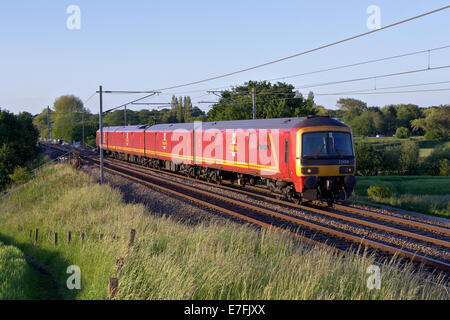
x: 346, y: 170
x: 310, y: 170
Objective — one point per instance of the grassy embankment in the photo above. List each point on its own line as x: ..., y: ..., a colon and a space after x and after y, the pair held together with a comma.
x: 17, y: 279
x: 171, y: 260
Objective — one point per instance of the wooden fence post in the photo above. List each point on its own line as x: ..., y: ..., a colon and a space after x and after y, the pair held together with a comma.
x: 119, y: 265
x: 132, y: 235
x: 112, y: 287
x: 36, y: 232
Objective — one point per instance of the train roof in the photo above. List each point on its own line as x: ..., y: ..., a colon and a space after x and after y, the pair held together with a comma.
x: 277, y: 123
x: 124, y: 128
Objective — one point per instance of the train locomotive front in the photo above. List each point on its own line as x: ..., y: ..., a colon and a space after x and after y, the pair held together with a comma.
x: 325, y: 160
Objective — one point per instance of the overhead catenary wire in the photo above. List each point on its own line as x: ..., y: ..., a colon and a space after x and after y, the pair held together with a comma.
x: 322, y: 70
x: 372, y: 77
x: 90, y: 97
x: 327, y: 69
x: 389, y: 92
x: 345, y: 81
x: 307, y: 51
x: 384, y: 88
x: 131, y: 102
x: 341, y: 93
x: 361, y: 63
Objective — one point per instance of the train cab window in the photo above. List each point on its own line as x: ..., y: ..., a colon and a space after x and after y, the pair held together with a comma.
x: 327, y: 144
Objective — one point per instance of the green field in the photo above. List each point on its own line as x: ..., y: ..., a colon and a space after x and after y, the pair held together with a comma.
x: 174, y: 260
x: 425, y: 194
x: 426, y: 147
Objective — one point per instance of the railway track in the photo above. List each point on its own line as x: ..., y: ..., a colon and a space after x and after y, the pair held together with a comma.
x: 308, y: 231
x: 328, y: 211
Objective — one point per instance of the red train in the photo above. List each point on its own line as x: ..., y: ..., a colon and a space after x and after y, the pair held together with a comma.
x: 298, y: 158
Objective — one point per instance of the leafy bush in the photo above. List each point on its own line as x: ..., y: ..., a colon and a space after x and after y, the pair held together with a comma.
x: 368, y: 159
x: 7, y: 161
x: 379, y: 191
x: 18, y: 139
x: 402, y: 133
x: 409, y: 158
x: 390, y: 163
x: 437, y: 163
x: 444, y: 167
x: 20, y: 175
x: 433, y: 135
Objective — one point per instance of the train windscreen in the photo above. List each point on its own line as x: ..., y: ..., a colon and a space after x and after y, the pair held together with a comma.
x: 327, y: 144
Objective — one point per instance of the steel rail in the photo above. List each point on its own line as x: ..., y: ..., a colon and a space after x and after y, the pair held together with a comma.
x: 368, y: 213
x: 334, y: 215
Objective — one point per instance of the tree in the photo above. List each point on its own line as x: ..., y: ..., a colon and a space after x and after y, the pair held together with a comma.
x: 66, y: 115
x: 363, y: 125
x: 391, y: 159
x: 18, y: 139
x: 181, y: 111
x: 90, y: 129
x: 40, y: 121
x: 8, y: 160
x: 29, y: 136
x: 351, y: 108
x: 436, y: 123
x: 390, y: 119
x: 322, y: 111
x: 377, y: 118
x: 406, y: 113
x: 409, y: 157
x: 435, y: 163
x: 368, y: 159
x: 272, y: 101
x: 19, y: 133
x: 402, y: 133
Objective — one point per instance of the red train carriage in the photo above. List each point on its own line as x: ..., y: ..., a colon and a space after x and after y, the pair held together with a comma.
x: 310, y: 158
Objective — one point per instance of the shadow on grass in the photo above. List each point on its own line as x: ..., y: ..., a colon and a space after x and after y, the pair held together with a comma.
x: 50, y: 269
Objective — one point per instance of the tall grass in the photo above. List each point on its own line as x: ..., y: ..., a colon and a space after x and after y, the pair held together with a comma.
x: 17, y: 278
x: 172, y: 260
x: 234, y: 263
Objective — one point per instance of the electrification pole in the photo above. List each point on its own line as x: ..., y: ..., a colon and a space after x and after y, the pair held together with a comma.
x: 100, y: 117
x: 48, y: 123
x: 82, y: 130
x: 125, y: 115
x: 101, y: 134
x: 254, y: 102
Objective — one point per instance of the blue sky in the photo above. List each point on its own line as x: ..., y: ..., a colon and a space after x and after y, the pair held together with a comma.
x: 146, y: 45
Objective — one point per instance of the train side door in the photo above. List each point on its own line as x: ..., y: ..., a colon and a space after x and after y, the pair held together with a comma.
x: 252, y: 152
x: 286, y: 154
x: 218, y: 151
